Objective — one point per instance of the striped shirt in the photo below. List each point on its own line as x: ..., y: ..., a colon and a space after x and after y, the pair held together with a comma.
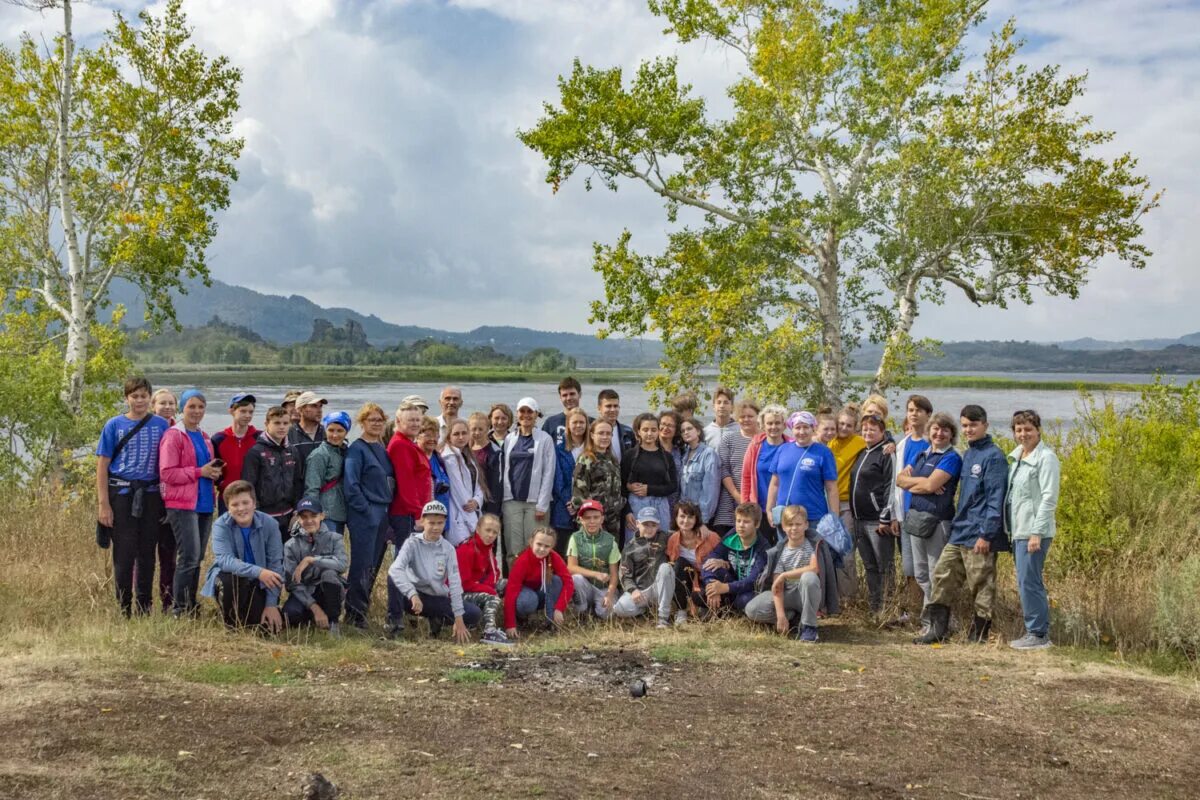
x: 730, y: 455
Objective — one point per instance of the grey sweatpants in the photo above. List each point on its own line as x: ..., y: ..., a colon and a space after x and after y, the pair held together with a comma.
x: 802, y: 598
x: 658, y: 595
x: 926, y: 553
x: 588, y: 597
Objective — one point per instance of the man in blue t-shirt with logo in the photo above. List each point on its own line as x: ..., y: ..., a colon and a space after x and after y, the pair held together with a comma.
x: 129, y: 506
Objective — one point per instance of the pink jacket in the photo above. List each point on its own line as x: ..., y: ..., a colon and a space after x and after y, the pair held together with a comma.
x: 178, y: 473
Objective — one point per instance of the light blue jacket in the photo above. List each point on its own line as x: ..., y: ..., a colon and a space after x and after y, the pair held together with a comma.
x: 228, y: 552
x: 1033, y: 484
x: 699, y: 481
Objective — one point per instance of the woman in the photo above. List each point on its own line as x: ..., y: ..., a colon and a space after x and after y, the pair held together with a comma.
x: 698, y: 476
x: 846, y: 446
x: 501, y: 418
x: 487, y: 459
x: 368, y: 484
x: 427, y: 440
x: 870, y: 492
x: 804, y: 473
x: 648, y: 474
x: 759, y: 463
x: 671, y: 442
x: 324, y: 468
x: 164, y: 404
x: 598, y: 476
x: 529, y: 462
x: 932, y: 481
x: 1033, y: 483
x: 187, y: 472
x: 730, y: 457
x: 466, y: 491
x: 687, y: 550
x: 562, y: 507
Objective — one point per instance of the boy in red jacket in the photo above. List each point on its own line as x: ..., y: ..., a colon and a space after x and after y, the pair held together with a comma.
x: 481, y: 581
x: 537, y: 579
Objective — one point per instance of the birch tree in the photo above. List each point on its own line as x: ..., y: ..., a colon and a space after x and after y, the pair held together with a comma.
x: 113, y: 163
x: 864, y: 169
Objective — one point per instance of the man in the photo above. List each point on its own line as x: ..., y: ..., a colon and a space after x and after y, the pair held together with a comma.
x: 247, y: 563
x: 304, y: 436
x: 232, y: 444
x: 451, y: 401
x: 976, y: 534
x: 723, y: 422
x: 609, y: 408
x: 569, y: 394
x: 289, y: 405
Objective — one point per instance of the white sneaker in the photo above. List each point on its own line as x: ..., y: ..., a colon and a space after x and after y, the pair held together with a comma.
x: 681, y: 617
x: 1030, y: 642
x: 662, y: 623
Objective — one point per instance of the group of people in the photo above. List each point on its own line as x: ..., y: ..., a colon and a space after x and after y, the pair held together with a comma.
x: 499, y: 519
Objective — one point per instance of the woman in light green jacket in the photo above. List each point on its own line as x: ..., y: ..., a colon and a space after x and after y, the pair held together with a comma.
x: 1033, y: 482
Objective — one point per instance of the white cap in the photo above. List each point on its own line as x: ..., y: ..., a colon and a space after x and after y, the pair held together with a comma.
x: 433, y: 507
x: 530, y: 403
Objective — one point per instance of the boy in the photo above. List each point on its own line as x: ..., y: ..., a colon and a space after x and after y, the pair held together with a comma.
x: 479, y: 570
x: 792, y: 578
x: 313, y: 562
x: 976, y: 533
x: 646, y: 577
x: 609, y: 409
x: 569, y: 392
x: 129, y: 506
x: 424, y: 580
x: 723, y: 422
x: 592, y: 558
x: 733, y: 567
x: 275, y: 471
x: 247, y: 562
x: 232, y: 444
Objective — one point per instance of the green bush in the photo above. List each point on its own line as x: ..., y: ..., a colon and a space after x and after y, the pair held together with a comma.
x: 1177, y: 612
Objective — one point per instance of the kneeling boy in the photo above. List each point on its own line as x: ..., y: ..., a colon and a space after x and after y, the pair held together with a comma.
x: 247, y: 562
x: 792, y: 578
x: 313, y: 562
x: 646, y: 577
x: 732, y: 568
x: 426, y: 581
x: 592, y: 558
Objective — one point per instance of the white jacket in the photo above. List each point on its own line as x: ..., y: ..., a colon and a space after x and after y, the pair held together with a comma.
x: 463, y: 489
x: 541, y: 482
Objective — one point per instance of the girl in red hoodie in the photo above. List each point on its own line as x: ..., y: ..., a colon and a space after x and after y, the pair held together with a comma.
x: 480, y: 571
x: 537, y: 579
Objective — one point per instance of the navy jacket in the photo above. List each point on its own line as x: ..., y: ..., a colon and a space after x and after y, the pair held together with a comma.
x: 564, y: 472
x: 365, y: 478
x: 730, y: 549
x: 981, y: 489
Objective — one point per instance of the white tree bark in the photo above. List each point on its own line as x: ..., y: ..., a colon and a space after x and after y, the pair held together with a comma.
x: 906, y: 316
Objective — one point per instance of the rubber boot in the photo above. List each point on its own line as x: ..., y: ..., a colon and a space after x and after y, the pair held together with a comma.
x: 980, y: 628
x: 939, y: 621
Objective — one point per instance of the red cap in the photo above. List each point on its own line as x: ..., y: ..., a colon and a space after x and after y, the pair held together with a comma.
x: 590, y: 505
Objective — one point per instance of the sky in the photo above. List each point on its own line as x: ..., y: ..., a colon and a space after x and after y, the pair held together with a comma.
x: 382, y: 173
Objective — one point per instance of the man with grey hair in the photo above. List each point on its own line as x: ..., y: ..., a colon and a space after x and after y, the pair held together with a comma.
x: 451, y: 401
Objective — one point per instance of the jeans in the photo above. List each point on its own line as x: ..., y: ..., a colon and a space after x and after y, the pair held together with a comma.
x: 529, y: 601
x: 657, y: 595
x: 803, y: 599
x: 1034, y: 602
x: 369, y: 535
x: 133, y: 544
x: 878, y: 554
x: 847, y: 574
x: 925, y: 555
x: 436, y: 608
x: 191, y: 541
x: 518, y: 525
x: 400, y: 528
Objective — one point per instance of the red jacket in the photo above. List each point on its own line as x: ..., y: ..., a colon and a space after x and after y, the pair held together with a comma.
x: 233, y: 451
x: 477, y: 565
x: 414, y: 480
x: 529, y: 570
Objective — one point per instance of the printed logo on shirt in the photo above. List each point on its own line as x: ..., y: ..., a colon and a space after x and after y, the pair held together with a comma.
x: 808, y: 462
x: 976, y: 470
x: 440, y: 569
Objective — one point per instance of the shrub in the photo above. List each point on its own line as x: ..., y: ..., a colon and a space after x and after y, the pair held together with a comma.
x: 1177, y: 614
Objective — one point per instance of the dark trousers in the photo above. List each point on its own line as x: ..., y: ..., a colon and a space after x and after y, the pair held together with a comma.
x: 401, y: 528
x: 369, y: 535
x: 242, y: 600
x: 191, y: 540
x: 685, y: 574
x: 437, y: 610
x: 738, y: 602
x: 328, y: 594
x: 166, y: 562
x: 133, y: 547
x: 767, y: 530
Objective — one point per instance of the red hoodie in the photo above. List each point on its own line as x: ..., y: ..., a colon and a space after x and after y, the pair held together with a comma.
x: 414, y: 480
x: 529, y: 570
x: 477, y: 565
x: 233, y: 450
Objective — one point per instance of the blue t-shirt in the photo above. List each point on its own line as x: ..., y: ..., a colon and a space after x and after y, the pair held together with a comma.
x: 204, y: 500
x: 912, y: 451
x: 766, y: 463
x: 520, y: 467
x: 247, y: 548
x: 942, y: 505
x: 802, y: 474
x: 138, y: 459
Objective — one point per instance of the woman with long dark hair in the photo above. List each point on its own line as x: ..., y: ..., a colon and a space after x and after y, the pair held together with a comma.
x: 648, y: 474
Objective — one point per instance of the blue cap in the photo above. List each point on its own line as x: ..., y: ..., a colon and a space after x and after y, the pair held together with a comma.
x: 242, y: 397
x: 337, y: 418
x: 308, y: 504
x: 648, y: 514
x: 188, y: 394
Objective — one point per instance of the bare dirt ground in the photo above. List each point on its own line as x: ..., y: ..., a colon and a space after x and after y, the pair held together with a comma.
x: 730, y: 712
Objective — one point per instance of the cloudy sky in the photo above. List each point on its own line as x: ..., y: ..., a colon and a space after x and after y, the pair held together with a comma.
x: 381, y: 171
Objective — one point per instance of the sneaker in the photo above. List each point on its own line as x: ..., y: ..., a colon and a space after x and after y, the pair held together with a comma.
x: 496, y: 639
x: 335, y: 630
x: 1031, y: 641
x: 808, y: 634
x: 681, y: 617
x: 393, y: 632
x: 663, y: 624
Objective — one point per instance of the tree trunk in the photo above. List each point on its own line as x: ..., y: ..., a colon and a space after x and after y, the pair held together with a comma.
x: 898, y: 338
x: 833, y: 353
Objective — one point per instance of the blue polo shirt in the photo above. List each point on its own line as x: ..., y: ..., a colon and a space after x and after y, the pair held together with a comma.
x: 802, y: 472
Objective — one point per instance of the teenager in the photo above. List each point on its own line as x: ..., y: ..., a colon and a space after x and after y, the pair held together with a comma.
x: 698, y: 481
x: 479, y: 570
x: 425, y: 581
x: 608, y: 407
x: 671, y: 442
x: 731, y: 456
x: 324, y: 471
x: 451, y: 401
x: 791, y: 581
x: 759, y: 465
x: 305, y: 434
x: 411, y: 470
x: 723, y: 422
x: 188, y: 472
x: 466, y: 490
x: 592, y: 559
x: 529, y: 462
x: 538, y: 579
x: 369, y: 485
x: 688, y: 548
x: 163, y: 403
x: 314, y: 561
x: 804, y: 473
x: 731, y: 571
x: 647, y: 580
x: 129, y: 505
x: 917, y: 410
x: 247, y: 563
x: 827, y: 429
x: 276, y: 471
x: 1034, y: 477
x: 567, y: 448
x: 870, y: 492
x: 685, y: 404
x: 648, y: 474
x: 569, y: 394
x: 487, y: 461
x: 598, y: 477
x: 976, y: 533
x: 232, y: 444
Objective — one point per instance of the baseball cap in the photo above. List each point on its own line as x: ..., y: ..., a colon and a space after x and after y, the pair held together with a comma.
x: 291, y: 397
x: 590, y: 505
x: 530, y: 403
x: 648, y: 514
x: 310, y: 505
x: 433, y: 507
x: 337, y: 418
x: 242, y: 397
x: 414, y: 401
x: 310, y: 399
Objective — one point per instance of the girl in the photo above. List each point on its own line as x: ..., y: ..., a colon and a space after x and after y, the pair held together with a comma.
x: 688, y: 548
x: 537, y: 579
x: 369, y: 486
x: 758, y: 464
x: 575, y: 435
x: 698, y: 475
x: 164, y: 404
x: 479, y: 568
x: 730, y: 457
x: 324, y: 467
x: 562, y: 506
x: 466, y: 493
x: 487, y: 459
x: 1033, y: 484
x: 648, y: 473
x: 598, y: 477
x: 870, y: 493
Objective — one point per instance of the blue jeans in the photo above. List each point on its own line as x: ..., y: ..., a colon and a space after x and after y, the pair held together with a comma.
x: 369, y: 534
x: 529, y: 601
x: 191, y: 540
x: 1034, y: 602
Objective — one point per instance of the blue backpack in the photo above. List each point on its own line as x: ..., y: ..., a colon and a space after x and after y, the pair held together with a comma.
x: 831, y: 529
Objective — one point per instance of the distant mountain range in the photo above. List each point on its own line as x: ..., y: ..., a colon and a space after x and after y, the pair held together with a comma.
x: 289, y: 320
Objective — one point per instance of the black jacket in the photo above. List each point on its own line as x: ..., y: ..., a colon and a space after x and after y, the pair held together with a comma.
x: 277, y: 474
x: 871, y: 482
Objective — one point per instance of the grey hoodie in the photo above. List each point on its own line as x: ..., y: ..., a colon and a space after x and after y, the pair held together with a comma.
x: 328, y: 551
x: 427, y: 567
